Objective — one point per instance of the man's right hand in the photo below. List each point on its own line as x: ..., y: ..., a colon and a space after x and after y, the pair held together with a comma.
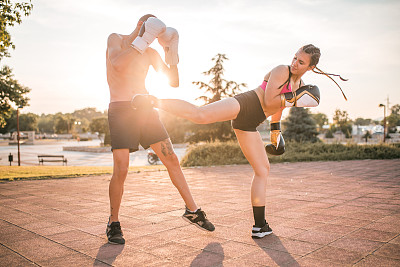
x: 169, y: 41
x: 149, y: 31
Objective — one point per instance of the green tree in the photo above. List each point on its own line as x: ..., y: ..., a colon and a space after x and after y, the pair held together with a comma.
x: 11, y: 92
x: 63, y: 123
x: 395, y: 109
x: 83, y: 117
x: 87, y: 113
x: 363, y: 122
x: 300, y: 126
x: 100, y: 125
x: 320, y: 119
x: 10, y: 122
x: 343, y: 122
x: 28, y: 122
x: 393, y: 119
x: 218, y: 87
x: 10, y: 13
x: 46, y: 123
x: 215, y: 90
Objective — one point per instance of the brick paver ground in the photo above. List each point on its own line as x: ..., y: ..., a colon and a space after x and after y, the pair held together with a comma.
x: 322, y: 213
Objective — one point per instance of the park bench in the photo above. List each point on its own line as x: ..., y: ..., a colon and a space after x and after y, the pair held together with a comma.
x: 52, y: 158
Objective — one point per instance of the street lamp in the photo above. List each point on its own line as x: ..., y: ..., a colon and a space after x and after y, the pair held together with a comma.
x: 384, y: 121
x: 19, y: 158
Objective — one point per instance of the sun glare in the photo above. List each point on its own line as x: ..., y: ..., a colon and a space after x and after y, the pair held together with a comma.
x: 156, y: 82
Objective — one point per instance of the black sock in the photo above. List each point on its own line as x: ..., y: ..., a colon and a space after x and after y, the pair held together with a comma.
x: 259, y: 216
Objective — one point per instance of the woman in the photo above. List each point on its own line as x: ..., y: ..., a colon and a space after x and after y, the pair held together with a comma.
x: 282, y: 87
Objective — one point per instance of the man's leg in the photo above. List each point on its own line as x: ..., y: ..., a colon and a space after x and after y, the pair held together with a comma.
x: 168, y: 157
x: 116, y: 190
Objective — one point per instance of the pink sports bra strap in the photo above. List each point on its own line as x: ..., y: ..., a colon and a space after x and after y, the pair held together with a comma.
x: 264, y: 85
x: 285, y: 89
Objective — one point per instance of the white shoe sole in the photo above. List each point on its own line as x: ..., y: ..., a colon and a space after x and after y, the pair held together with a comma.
x: 195, y: 224
x: 260, y: 235
x: 115, y: 243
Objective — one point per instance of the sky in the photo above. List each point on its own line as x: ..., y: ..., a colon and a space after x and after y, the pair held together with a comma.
x: 60, y: 48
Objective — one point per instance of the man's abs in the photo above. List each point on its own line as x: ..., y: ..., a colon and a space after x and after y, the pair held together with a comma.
x: 125, y: 84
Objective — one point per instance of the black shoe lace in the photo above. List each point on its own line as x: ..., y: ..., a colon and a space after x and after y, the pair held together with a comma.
x: 202, y: 215
x: 115, y: 229
x: 265, y: 227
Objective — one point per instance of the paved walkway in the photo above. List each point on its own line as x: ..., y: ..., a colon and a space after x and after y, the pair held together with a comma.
x: 322, y: 213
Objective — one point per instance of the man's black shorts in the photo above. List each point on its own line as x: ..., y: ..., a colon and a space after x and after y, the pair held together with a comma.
x: 130, y: 127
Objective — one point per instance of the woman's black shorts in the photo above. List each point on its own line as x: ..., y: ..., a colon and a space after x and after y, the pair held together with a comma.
x: 251, y: 113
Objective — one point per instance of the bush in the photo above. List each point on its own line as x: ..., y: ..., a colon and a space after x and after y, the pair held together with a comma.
x: 216, y: 153
x: 227, y: 153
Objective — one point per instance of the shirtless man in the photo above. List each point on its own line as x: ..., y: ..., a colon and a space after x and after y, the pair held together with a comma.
x: 128, y: 59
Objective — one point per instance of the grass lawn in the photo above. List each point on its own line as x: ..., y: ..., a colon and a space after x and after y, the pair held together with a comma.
x: 11, y: 173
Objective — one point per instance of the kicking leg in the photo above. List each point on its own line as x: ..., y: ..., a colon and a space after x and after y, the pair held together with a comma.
x: 223, y: 110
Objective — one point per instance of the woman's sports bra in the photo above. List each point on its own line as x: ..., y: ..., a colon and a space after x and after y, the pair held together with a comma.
x: 286, y: 86
x: 286, y: 89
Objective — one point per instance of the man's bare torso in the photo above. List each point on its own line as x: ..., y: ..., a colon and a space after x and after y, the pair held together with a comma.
x: 125, y: 83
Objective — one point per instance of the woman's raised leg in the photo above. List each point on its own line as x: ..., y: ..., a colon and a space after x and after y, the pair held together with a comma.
x: 223, y: 110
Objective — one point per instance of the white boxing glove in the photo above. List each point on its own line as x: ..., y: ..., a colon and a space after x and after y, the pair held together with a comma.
x: 149, y: 31
x: 305, y: 96
x: 169, y: 41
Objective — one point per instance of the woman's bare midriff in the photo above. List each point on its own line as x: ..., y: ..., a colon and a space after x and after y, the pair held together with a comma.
x: 260, y: 93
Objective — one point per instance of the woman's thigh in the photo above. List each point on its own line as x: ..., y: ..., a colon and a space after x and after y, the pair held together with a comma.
x: 222, y: 110
x: 253, y: 149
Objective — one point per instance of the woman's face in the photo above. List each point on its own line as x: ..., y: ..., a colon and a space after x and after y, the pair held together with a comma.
x: 301, y: 63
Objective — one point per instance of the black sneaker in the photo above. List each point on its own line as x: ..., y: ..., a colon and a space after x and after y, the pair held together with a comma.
x: 261, y: 232
x: 114, y: 233
x: 199, y: 219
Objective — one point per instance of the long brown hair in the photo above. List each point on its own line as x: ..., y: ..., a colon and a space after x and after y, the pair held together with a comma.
x: 315, y: 54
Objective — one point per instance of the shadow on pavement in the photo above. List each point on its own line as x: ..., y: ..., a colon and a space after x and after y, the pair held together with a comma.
x: 274, y: 248
x: 212, y: 255
x: 108, y: 253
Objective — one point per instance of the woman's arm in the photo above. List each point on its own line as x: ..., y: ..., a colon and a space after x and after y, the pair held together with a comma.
x: 272, y: 97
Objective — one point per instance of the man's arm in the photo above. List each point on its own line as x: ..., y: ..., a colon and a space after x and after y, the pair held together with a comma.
x: 119, y: 56
x: 159, y: 65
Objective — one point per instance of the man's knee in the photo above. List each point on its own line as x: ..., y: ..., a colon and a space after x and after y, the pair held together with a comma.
x: 171, y: 160
x: 120, y: 174
x: 120, y: 170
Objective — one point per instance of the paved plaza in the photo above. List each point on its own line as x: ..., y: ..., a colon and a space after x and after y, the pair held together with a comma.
x: 322, y: 213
